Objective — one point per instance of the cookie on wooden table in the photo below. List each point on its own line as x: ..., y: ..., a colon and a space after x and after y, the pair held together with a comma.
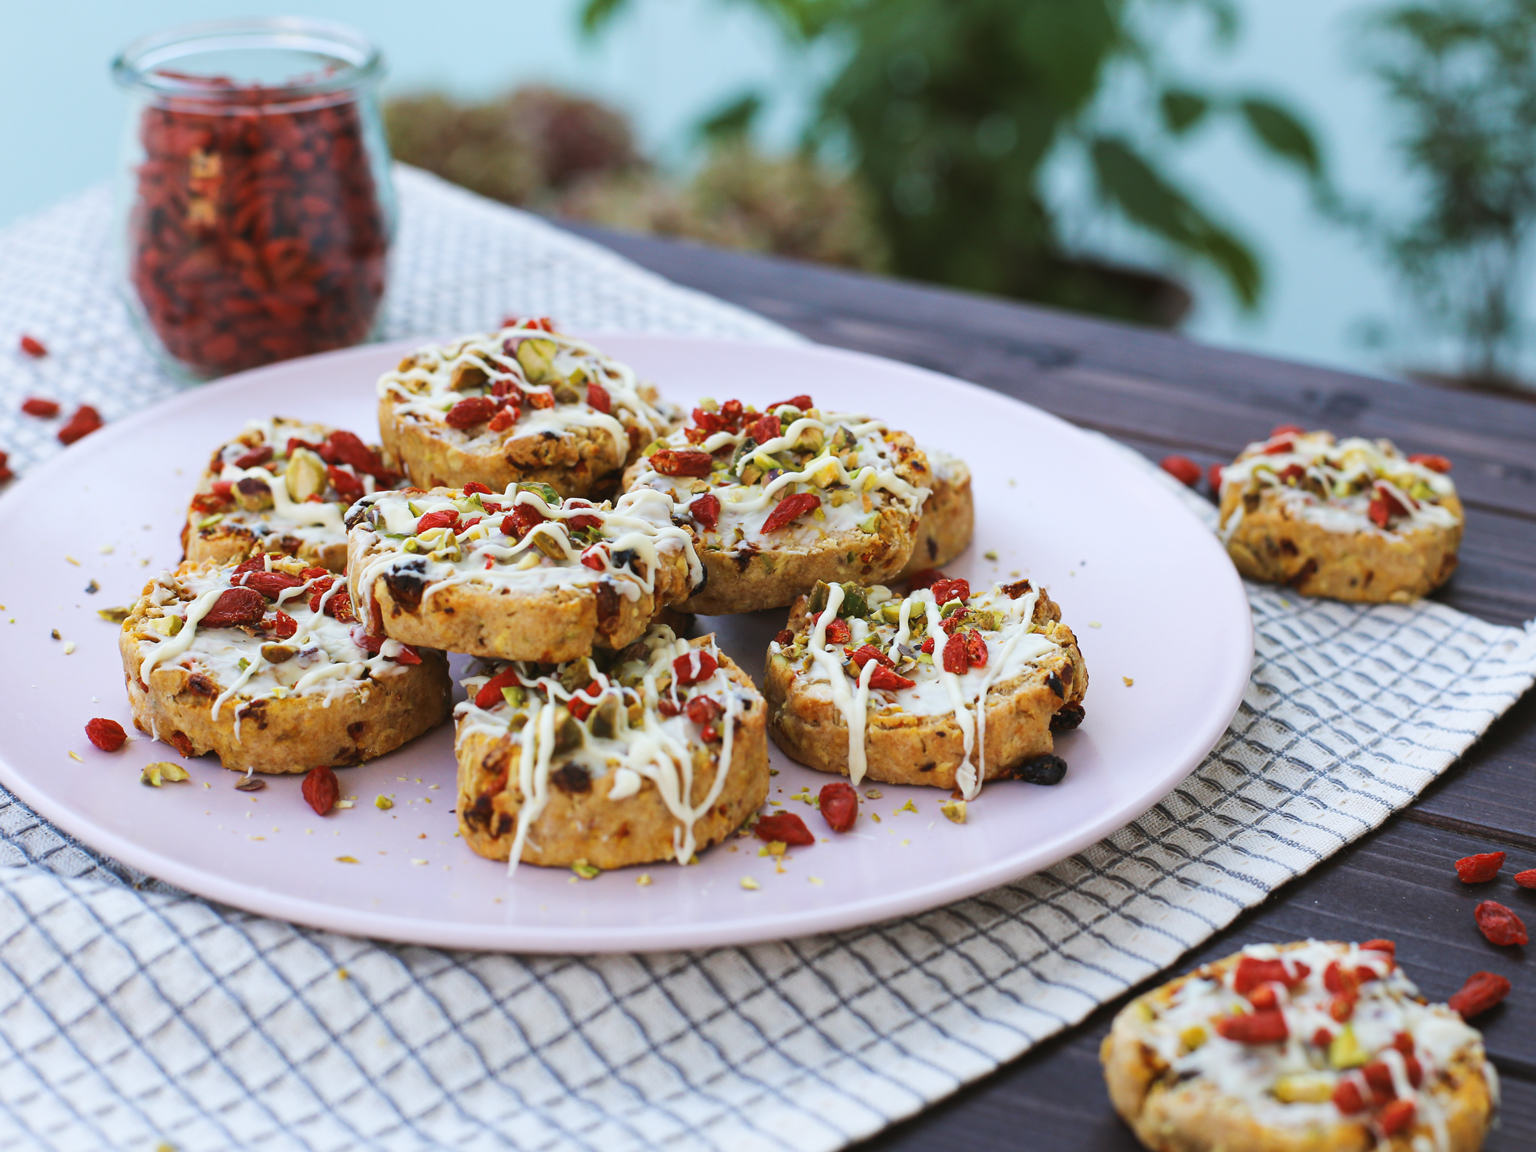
x: 650, y: 753
x: 262, y: 664
x: 1306, y: 1047
x: 1352, y: 520
x: 518, y: 575
x: 524, y: 404
x: 782, y: 499
x: 949, y: 515
x: 282, y: 486
x: 905, y: 676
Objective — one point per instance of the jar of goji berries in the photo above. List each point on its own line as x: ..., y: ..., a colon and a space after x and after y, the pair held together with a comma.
x: 255, y: 202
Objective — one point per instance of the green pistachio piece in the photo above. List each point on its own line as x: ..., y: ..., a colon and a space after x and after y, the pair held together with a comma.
x: 1344, y: 1050
x: 536, y: 358
x: 305, y: 475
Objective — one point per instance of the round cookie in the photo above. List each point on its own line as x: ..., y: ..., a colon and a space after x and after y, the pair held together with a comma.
x: 1352, y: 520
x: 263, y: 665
x: 524, y: 404
x: 611, y: 760
x: 948, y: 519
x: 517, y: 576
x: 260, y: 493
x: 780, y: 500
x: 908, y: 673
x: 1248, y: 1055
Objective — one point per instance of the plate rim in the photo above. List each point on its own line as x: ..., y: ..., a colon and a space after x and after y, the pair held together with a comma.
x: 511, y: 938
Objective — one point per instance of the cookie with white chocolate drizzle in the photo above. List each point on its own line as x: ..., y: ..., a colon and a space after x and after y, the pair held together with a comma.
x: 651, y: 753
x: 283, y: 486
x: 517, y: 575
x: 1315, y: 1046
x: 525, y: 403
x: 263, y: 664
x: 780, y: 499
x: 1353, y: 519
x: 940, y: 687
x: 949, y: 515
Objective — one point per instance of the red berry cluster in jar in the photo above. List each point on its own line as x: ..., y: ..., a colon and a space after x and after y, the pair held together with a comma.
x: 257, y: 233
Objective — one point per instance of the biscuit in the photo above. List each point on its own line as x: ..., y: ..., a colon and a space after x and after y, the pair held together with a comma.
x: 524, y: 404
x: 1247, y: 1055
x: 517, y: 576
x: 241, y: 508
x: 781, y: 500
x: 1353, y: 520
x: 611, y: 760
x: 284, y: 681
x: 949, y: 515
x: 907, y: 674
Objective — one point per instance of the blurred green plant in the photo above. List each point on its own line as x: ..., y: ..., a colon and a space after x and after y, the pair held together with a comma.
x: 1462, y: 74
x: 951, y: 111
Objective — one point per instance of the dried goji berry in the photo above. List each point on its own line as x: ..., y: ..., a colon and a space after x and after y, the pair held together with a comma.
x: 108, y: 735
x: 37, y: 406
x: 347, y: 486
x: 955, y: 658
x: 1431, y: 461
x: 1386, y: 946
x: 790, y: 509
x: 1479, y: 869
x: 474, y: 487
x: 1322, y: 1038
x: 1279, y: 447
x: 695, y: 665
x: 1348, y: 1098
x: 704, y: 709
x: 1342, y: 1006
x: 1287, y: 430
x: 867, y: 652
x: 764, y: 428
x: 1266, y: 1027
x: 1481, y: 992
x: 785, y: 827
x: 1500, y: 925
x: 235, y: 607
x: 946, y: 590
x: 1526, y: 879
x: 705, y: 511
x: 255, y: 458
x: 667, y: 706
x: 406, y: 655
x: 321, y: 789
x: 343, y: 447
x: 1379, y: 1077
x: 470, y: 411
x: 927, y: 646
x: 839, y: 805
x: 489, y: 694
x: 280, y: 624
x: 521, y: 520
x: 802, y: 402
x: 682, y: 462
x: 442, y: 518
x: 784, y: 638
x: 1251, y: 972
x: 595, y: 558
x: 269, y: 584
x: 886, y: 678
x: 1264, y: 997
x: 975, y: 650
x: 926, y: 578
x: 1182, y: 469
x: 597, y: 397
x: 838, y: 631
x: 85, y: 421
x: 1396, y: 1116
x: 1380, y: 515
x: 33, y: 347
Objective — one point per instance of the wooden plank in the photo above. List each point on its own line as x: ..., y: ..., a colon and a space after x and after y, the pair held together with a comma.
x: 1397, y: 882
x: 1116, y: 377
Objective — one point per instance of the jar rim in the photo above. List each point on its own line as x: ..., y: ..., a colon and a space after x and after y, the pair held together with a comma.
x: 141, y: 65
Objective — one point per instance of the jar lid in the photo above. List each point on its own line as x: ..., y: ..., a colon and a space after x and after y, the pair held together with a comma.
x: 275, y: 60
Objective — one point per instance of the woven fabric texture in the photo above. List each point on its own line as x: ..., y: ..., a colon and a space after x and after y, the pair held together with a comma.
x: 132, y: 1014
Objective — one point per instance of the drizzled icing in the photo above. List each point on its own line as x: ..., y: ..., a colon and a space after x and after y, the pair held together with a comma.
x: 1336, y: 483
x: 844, y: 459
x: 1291, y: 1083
x: 1005, y: 624
x: 626, y: 732
x: 322, y: 657
x: 292, y: 516
x: 560, y: 544
x: 560, y: 364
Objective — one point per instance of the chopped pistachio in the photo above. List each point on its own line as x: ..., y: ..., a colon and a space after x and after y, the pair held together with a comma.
x: 644, y: 879
x: 163, y: 770
x: 750, y: 884
x: 305, y: 475
x: 586, y: 871
x: 1304, y: 1087
x: 114, y: 615
x: 954, y: 811
x: 1344, y: 1050
x: 1192, y: 1037
x: 383, y: 803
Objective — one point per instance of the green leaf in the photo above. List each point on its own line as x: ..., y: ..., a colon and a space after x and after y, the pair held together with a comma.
x: 1282, y: 133
x: 596, y: 14
x: 1183, y: 109
x: 733, y: 119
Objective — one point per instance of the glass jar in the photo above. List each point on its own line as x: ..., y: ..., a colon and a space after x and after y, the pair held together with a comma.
x: 255, y: 207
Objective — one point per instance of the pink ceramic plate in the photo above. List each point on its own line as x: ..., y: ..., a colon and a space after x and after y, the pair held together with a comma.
x: 1149, y: 592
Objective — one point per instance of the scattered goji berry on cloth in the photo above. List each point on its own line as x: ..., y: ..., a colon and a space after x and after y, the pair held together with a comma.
x: 839, y: 805
x: 85, y: 421
x: 38, y: 406
x: 1500, y: 925
x: 1526, y: 879
x: 321, y: 789
x: 1182, y: 469
x: 1481, y: 992
x: 33, y: 347
x: 785, y: 827
x: 1479, y: 869
x: 108, y: 735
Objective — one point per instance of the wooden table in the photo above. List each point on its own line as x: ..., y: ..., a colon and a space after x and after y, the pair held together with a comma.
x: 1162, y: 394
